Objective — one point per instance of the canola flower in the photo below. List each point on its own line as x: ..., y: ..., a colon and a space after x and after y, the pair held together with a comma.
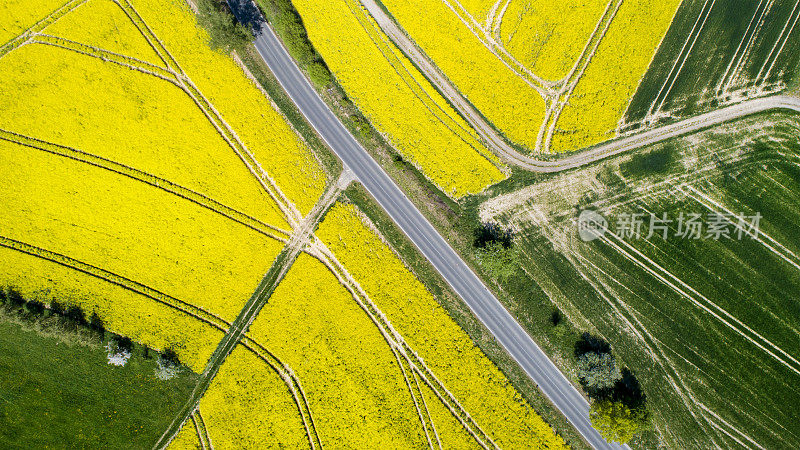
x: 446, y: 349
x: 549, y: 36
x: 354, y: 385
x: 123, y: 312
x: 404, y: 106
x: 18, y: 15
x: 502, y: 96
x: 249, y: 406
x: 103, y: 24
x: 53, y: 94
x: 614, y: 73
x: 186, y: 439
x: 131, y: 229
x: 279, y: 150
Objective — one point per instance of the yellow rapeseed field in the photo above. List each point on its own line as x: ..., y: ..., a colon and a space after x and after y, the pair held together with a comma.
x: 102, y: 23
x: 604, y: 90
x: 18, y: 15
x: 549, y: 36
x: 450, y: 354
x: 124, y: 171
x: 142, y: 121
x: 354, y: 385
x: 287, y: 159
x: 124, y: 312
x: 131, y: 229
x: 502, y: 96
x: 405, y: 106
x: 249, y: 406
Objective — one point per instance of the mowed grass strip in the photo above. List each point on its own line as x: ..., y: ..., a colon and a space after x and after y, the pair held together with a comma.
x: 53, y: 394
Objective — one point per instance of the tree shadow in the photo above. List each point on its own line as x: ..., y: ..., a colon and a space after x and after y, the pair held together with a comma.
x: 588, y: 343
x: 248, y: 14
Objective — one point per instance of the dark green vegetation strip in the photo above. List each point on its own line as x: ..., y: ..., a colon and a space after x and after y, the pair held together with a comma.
x: 53, y: 394
x: 714, y: 60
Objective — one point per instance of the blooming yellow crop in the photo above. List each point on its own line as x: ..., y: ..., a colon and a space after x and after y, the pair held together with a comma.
x: 504, y: 97
x: 18, y: 15
x: 249, y: 406
x: 124, y: 312
x: 102, y: 23
x: 355, y: 387
x: 548, y: 36
x: 278, y: 149
x: 603, y: 92
x: 131, y: 229
x: 444, y: 347
x: 404, y: 106
x: 145, y: 122
x: 186, y: 439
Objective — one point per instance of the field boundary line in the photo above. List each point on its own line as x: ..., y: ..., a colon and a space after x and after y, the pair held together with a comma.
x: 149, y: 179
x: 126, y: 283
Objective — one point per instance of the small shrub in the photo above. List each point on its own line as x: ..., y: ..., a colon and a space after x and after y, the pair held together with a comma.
x: 56, y: 308
x: 34, y: 308
x: 14, y: 298
x: 75, y: 314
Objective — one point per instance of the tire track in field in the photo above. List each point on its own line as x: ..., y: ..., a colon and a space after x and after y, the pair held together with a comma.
x: 703, y: 303
x: 397, y: 343
x: 683, y: 56
x: 238, y: 328
x: 386, y: 46
x: 570, y: 82
x: 195, y: 311
x: 740, y: 55
x: 48, y: 20
x: 149, y: 179
x: 202, y: 430
x: 786, y: 31
x: 292, y: 383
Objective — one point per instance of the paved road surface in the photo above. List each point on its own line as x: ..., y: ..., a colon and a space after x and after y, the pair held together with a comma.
x: 443, y: 258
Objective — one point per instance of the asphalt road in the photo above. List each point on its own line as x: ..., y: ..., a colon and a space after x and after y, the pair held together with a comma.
x: 443, y: 258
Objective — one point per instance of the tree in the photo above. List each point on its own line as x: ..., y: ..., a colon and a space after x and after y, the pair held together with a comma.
x: 34, y: 307
x: 598, y: 371
x: 616, y: 422
x: 57, y: 308
x: 500, y: 261
x: 75, y: 314
x: 224, y: 32
x: 96, y: 324
x: 15, y: 299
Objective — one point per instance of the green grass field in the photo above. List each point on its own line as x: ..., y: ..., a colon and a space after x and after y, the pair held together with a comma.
x: 716, y: 54
x: 53, y: 394
x: 710, y: 327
